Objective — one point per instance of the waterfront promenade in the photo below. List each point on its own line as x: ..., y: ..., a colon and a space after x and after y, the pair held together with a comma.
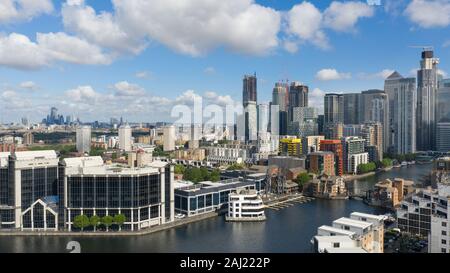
x: 176, y: 223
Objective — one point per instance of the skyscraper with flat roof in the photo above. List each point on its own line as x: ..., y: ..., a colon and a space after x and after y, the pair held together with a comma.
x: 249, y: 90
x: 298, y: 97
x: 83, y: 138
x: 125, y: 138
x: 427, y: 85
x: 375, y: 108
x: 352, y: 105
x: 334, y: 108
x: 402, y: 115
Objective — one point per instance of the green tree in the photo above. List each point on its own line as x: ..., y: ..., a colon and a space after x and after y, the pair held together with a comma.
x: 94, y: 221
x: 97, y: 152
x: 236, y: 166
x: 179, y: 169
x: 204, y: 174
x: 302, y: 179
x: 119, y: 219
x: 386, y: 162
x: 114, y: 156
x: 223, y: 141
x: 159, y: 151
x: 81, y: 221
x: 215, y: 175
x: 107, y: 221
x: 366, y: 168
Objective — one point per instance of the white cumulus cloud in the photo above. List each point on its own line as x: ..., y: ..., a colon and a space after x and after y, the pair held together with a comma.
x: 197, y: 26
x: 429, y: 13
x: 18, y: 51
x: 127, y: 89
x: 329, y: 74
x: 307, y: 23
x: 344, y: 16
x: 23, y: 10
x: 28, y: 85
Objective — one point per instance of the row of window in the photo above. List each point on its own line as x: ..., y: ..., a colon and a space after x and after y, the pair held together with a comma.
x: 113, y: 192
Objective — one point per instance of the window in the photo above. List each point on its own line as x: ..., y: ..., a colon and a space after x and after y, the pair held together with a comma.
x: 444, y: 232
x: 443, y: 250
x: 346, y: 227
x: 336, y: 245
x: 443, y: 242
x: 444, y: 224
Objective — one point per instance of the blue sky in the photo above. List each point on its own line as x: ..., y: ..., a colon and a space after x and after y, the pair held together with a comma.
x: 138, y: 58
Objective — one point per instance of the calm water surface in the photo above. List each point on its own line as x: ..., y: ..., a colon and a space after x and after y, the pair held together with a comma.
x: 286, y: 230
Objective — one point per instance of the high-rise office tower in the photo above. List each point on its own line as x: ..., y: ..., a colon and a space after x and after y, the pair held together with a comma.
x: 24, y: 121
x: 334, y: 130
x: 320, y: 124
x: 249, y: 102
x: 375, y: 108
x: 443, y: 117
x: 83, y: 139
x: 298, y: 97
x: 304, y: 121
x: 251, y: 121
x: 443, y: 101
x: 249, y: 90
x: 263, y: 118
x: 53, y: 115
x: 125, y: 138
x: 280, y: 98
x: 352, y: 108
x: 169, y: 138
x: 373, y: 134
x: 333, y: 108
x: 402, y: 113
x: 427, y: 85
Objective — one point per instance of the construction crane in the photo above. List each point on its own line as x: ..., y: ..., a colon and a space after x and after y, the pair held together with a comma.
x: 424, y: 48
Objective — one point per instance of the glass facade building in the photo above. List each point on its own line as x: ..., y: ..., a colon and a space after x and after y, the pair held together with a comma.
x: 142, y: 195
x: 209, y: 196
x: 28, y: 186
x: 38, y: 192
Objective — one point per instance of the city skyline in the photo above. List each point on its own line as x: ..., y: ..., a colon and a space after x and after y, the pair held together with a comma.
x: 143, y: 77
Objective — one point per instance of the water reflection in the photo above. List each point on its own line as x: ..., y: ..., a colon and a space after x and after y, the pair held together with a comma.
x: 286, y: 230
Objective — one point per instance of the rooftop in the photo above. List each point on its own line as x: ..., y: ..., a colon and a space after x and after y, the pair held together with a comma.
x: 368, y: 216
x: 345, y: 250
x: 351, y: 222
x: 208, y: 184
x: 336, y: 230
x: 30, y: 155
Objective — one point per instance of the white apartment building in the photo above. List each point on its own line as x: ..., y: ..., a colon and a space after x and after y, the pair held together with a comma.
x: 125, y: 140
x: 354, y: 160
x: 426, y: 213
x: 227, y: 154
x: 361, y: 233
x: 245, y: 205
x: 169, y: 138
x: 83, y: 138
